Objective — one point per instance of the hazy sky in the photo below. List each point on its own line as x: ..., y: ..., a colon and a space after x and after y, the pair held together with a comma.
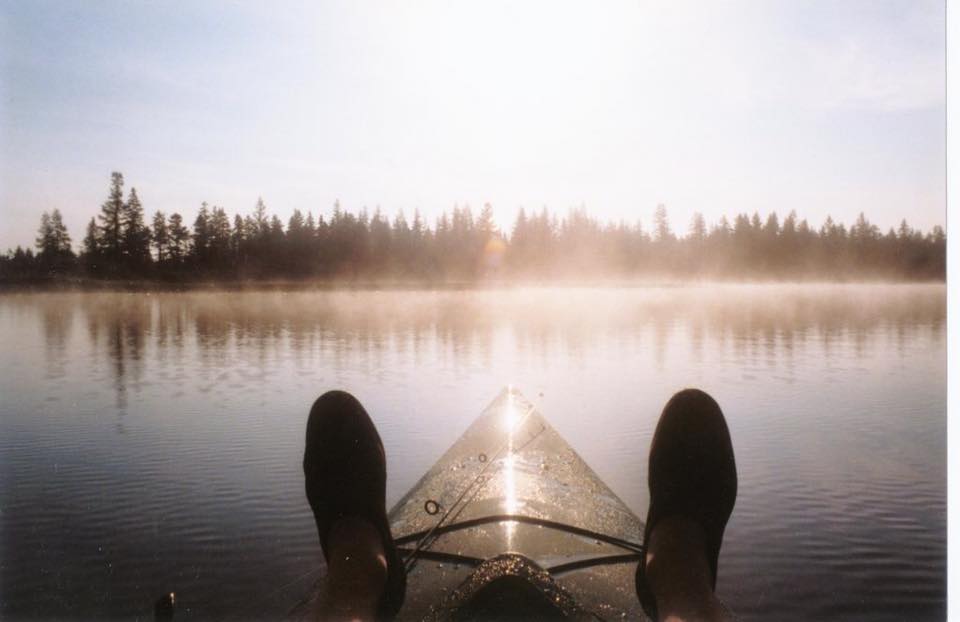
x: 822, y: 107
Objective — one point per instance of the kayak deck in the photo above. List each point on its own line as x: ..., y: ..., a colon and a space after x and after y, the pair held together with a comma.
x: 509, y: 505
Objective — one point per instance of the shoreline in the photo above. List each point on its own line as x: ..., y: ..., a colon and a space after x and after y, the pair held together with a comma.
x: 83, y: 285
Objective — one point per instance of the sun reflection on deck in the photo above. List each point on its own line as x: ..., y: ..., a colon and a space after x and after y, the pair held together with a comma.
x: 510, y: 498
x: 509, y: 483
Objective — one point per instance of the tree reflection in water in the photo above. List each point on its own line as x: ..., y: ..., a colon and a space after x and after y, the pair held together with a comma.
x: 753, y: 324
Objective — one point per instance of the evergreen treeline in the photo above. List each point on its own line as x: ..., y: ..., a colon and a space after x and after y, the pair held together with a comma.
x: 119, y: 244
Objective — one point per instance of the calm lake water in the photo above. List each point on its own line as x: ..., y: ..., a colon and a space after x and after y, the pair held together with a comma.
x: 151, y: 443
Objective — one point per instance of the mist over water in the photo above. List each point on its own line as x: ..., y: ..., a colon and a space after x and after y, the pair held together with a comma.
x: 152, y: 442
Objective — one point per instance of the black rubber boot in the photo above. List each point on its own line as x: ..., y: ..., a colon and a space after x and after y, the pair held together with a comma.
x: 691, y: 473
x: 346, y: 476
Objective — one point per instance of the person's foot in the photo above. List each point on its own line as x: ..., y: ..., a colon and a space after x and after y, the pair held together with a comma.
x: 345, y: 472
x: 693, y: 486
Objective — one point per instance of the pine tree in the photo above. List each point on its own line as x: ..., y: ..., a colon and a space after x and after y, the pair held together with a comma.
x: 250, y: 229
x: 218, y: 230
x: 53, y: 243
x: 160, y: 235
x: 661, y: 224
x: 723, y: 227
x: 261, y: 226
x: 179, y: 238
x: 938, y: 236
x: 275, y: 229
x: 698, y: 227
x: 789, y: 229
x: 238, y: 236
x: 772, y: 228
x: 60, y: 235
x: 829, y: 228
x: 904, y: 232
x: 23, y: 262
x: 111, y: 220
x: 91, y: 244
x: 135, y: 237
x: 295, y: 224
x: 44, y: 242
x: 863, y: 231
x: 486, y: 227
x: 201, y: 233
x: 417, y: 228
x: 298, y: 244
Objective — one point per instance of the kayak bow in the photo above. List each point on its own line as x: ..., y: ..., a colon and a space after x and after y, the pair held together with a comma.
x: 511, y: 523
